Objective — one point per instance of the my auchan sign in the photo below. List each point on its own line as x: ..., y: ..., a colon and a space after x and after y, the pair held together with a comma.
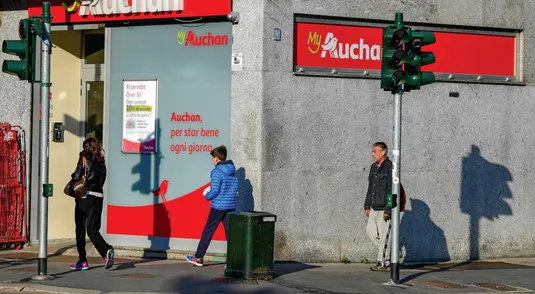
x: 358, y: 48
x: 87, y: 11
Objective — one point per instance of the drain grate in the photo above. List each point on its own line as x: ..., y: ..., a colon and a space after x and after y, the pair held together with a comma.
x: 29, y: 269
x: 442, y: 284
x: 498, y: 287
x: 138, y: 276
x: 236, y: 281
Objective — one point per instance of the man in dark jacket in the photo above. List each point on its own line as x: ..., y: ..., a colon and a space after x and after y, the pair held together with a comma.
x: 379, y: 185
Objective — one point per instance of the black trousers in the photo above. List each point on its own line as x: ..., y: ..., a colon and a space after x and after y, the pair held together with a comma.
x: 87, y: 216
x: 214, y: 218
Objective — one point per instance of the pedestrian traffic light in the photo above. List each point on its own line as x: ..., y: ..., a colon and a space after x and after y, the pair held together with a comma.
x: 22, y: 48
x: 402, y: 57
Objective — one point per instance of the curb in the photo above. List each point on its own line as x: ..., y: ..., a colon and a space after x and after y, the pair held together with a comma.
x: 24, y: 287
x: 131, y: 252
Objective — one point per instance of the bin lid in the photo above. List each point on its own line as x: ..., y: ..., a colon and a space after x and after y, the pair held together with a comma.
x: 253, y: 216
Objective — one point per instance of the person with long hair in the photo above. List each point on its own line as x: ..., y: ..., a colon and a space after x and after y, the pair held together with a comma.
x: 88, y: 209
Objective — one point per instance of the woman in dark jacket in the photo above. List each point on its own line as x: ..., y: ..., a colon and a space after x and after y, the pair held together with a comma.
x: 88, y: 209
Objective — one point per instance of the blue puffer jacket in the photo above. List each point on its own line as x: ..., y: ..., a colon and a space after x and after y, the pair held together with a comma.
x: 224, y: 186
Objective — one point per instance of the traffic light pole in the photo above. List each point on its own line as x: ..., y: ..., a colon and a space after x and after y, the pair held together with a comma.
x: 395, y: 218
x: 402, y: 59
x: 43, y: 146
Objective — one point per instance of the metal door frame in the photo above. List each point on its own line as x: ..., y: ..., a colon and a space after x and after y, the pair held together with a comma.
x: 91, y: 73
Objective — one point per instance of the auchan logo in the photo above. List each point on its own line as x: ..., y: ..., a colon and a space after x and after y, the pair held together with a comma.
x: 332, y: 47
x: 191, y: 39
x: 112, y: 7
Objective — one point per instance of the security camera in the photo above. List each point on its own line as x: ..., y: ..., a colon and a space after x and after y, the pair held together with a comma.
x: 234, y: 17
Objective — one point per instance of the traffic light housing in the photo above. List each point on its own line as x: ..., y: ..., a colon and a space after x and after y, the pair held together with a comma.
x: 402, y: 57
x: 394, y: 37
x: 417, y: 59
x: 24, y: 49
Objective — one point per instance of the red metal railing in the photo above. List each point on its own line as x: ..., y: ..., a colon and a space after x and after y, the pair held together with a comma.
x: 13, y: 220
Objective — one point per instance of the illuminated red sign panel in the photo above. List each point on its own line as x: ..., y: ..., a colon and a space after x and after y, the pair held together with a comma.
x: 91, y: 11
x: 359, y: 47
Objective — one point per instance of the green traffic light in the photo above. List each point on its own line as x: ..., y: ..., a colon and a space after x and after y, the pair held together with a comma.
x: 413, y: 78
x: 15, y: 47
x: 423, y: 38
x: 17, y: 68
x: 427, y: 58
x: 36, y: 24
x: 427, y: 78
x: 23, y: 49
x: 394, y: 37
x: 411, y: 57
x: 402, y: 47
x: 392, y: 54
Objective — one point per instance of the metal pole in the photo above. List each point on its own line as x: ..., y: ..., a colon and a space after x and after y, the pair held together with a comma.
x: 43, y: 146
x: 396, y: 153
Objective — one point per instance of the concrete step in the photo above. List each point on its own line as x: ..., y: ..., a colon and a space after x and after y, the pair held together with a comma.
x: 68, y: 248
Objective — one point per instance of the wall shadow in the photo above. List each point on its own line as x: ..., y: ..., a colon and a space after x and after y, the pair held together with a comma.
x: 483, y: 190
x: 72, y: 125
x: 422, y: 239
x: 151, y: 185
x: 245, y: 198
x: 162, y: 223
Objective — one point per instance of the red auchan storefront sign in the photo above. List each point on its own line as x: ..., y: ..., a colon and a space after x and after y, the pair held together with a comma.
x: 328, y: 46
x: 337, y: 46
x: 88, y: 11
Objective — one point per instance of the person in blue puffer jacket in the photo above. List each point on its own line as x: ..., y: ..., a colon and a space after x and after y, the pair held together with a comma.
x: 222, y: 197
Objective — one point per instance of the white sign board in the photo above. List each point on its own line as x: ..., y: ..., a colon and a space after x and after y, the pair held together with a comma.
x: 140, y: 100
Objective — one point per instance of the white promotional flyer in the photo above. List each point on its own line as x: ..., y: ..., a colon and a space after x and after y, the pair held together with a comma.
x: 139, y: 116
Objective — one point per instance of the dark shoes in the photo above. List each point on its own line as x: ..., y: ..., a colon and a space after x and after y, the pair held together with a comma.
x: 379, y: 268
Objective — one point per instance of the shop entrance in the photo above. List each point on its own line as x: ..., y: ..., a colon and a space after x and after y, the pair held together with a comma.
x: 77, y: 98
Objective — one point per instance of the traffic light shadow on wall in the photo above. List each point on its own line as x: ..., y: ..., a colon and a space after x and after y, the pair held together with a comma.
x: 24, y: 48
x: 402, y: 57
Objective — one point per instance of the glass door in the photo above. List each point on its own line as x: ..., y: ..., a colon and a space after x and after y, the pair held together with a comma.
x: 94, y: 93
x: 92, y: 84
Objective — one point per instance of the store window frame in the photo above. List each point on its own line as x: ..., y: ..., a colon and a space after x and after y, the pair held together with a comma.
x: 91, y: 73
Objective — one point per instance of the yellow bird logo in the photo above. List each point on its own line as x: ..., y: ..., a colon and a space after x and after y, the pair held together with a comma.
x: 73, y: 7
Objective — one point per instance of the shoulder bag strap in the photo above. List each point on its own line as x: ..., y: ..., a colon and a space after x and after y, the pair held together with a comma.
x: 84, y: 164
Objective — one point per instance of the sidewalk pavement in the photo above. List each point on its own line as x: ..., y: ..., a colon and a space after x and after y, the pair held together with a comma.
x: 131, y: 275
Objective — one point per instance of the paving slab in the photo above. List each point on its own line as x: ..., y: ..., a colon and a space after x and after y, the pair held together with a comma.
x: 143, y: 275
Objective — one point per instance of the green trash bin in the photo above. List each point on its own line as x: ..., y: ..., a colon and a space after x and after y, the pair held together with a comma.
x: 250, y: 245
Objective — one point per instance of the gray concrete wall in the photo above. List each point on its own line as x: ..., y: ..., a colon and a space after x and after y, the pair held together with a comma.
x: 246, y: 116
x: 464, y: 160
x: 15, y: 95
x: 303, y: 142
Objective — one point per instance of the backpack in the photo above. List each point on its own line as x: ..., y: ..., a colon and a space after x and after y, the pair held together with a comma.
x: 402, y: 198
